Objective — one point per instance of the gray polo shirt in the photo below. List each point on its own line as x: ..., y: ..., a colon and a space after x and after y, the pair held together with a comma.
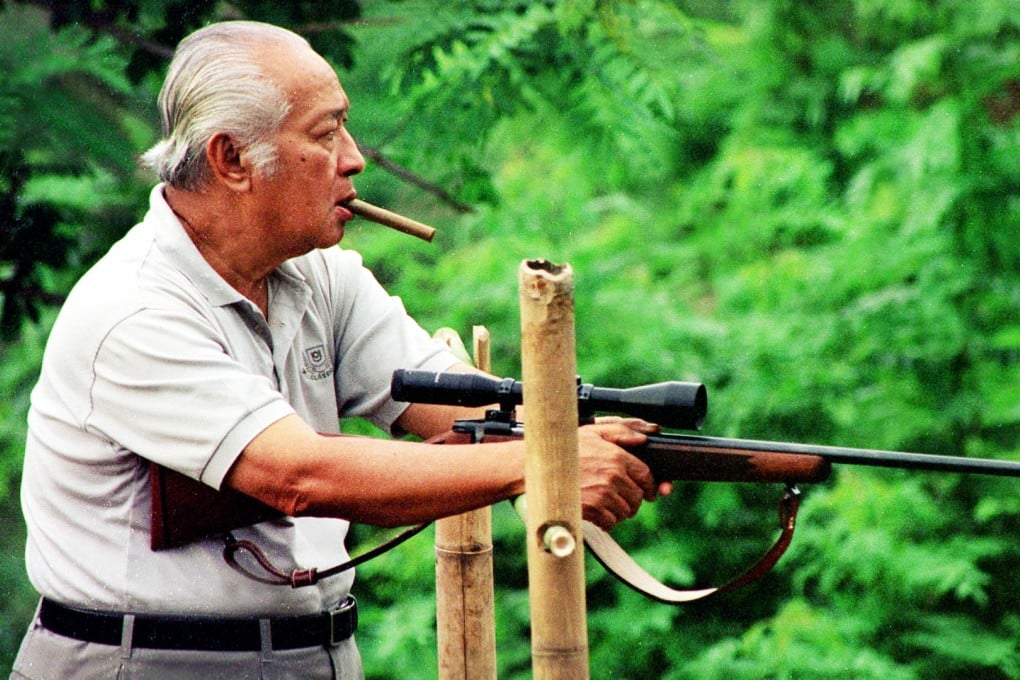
x: 154, y: 357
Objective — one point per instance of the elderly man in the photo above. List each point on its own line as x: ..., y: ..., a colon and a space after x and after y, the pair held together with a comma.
x: 223, y: 338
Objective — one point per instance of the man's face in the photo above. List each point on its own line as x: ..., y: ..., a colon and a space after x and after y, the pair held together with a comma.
x: 300, y: 204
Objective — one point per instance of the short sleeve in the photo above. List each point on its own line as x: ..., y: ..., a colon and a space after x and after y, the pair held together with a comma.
x: 374, y: 336
x: 165, y: 388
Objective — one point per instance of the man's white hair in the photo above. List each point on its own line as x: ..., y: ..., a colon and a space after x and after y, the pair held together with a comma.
x: 214, y: 85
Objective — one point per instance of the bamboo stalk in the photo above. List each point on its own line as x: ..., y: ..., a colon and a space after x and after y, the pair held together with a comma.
x: 559, y: 643
x: 465, y: 618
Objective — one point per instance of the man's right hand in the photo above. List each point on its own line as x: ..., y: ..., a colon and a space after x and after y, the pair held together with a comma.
x: 613, y: 481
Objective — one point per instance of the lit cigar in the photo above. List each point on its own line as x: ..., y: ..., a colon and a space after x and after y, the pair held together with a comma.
x: 391, y: 219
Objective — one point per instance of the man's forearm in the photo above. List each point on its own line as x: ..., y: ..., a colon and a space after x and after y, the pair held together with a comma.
x: 375, y: 481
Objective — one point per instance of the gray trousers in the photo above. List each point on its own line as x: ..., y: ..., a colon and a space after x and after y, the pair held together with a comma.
x: 44, y: 655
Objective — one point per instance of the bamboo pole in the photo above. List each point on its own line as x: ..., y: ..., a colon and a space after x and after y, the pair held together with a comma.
x: 465, y: 618
x: 559, y: 642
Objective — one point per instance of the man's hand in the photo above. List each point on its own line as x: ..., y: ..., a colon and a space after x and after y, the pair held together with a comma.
x: 613, y: 482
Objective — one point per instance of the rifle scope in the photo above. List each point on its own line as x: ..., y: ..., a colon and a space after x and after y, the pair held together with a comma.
x: 674, y: 404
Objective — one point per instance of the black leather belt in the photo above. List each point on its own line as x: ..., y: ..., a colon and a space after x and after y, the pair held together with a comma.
x: 201, y: 633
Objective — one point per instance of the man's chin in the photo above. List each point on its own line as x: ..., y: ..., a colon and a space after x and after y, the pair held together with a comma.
x: 339, y: 233
x: 333, y: 237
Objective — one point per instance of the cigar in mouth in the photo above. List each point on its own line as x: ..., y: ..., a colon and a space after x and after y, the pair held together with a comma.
x: 390, y: 219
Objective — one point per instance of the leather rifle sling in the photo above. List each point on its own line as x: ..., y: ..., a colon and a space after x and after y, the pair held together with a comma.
x: 621, y: 565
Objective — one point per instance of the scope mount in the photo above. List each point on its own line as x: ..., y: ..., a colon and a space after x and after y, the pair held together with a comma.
x: 497, y: 422
x: 503, y: 420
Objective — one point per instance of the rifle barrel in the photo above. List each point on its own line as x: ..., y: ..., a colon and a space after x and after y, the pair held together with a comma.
x: 850, y: 456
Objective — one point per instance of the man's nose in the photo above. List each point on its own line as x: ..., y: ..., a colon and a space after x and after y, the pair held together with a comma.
x: 350, y: 161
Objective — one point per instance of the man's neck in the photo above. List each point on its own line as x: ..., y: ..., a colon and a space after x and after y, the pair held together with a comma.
x: 227, y: 245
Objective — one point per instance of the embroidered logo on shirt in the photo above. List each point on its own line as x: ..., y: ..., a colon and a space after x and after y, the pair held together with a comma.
x: 317, y: 365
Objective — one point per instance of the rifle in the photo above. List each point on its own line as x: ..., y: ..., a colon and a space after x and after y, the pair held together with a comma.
x: 185, y: 510
x: 679, y: 405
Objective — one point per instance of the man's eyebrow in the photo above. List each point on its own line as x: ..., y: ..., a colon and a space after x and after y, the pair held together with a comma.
x: 337, y: 115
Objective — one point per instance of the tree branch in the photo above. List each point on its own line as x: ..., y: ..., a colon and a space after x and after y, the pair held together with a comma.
x: 415, y: 180
x: 129, y: 38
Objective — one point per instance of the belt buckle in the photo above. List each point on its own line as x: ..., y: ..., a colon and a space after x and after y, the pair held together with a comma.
x: 341, y: 629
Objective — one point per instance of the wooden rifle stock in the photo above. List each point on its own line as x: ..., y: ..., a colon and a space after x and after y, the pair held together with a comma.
x: 186, y: 510
x: 701, y: 459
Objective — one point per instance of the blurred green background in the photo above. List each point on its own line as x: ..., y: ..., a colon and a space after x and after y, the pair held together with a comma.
x: 813, y: 208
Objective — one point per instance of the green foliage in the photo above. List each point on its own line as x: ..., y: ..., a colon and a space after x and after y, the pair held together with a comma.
x: 18, y: 371
x: 812, y: 251
x: 39, y: 139
x: 810, y: 207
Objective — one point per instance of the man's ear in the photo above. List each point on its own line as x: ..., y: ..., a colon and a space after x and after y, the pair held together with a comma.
x: 227, y: 163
